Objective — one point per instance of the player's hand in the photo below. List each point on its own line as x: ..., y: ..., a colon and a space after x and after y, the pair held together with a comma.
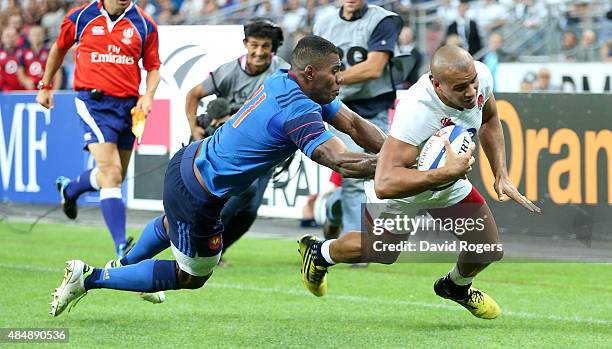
x: 145, y: 103
x: 45, y: 98
x: 458, y: 165
x: 197, y: 133
x: 505, y: 189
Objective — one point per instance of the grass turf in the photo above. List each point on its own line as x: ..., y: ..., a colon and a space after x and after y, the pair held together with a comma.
x: 259, y: 301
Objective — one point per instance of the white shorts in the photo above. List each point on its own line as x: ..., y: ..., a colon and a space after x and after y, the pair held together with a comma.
x: 196, y: 266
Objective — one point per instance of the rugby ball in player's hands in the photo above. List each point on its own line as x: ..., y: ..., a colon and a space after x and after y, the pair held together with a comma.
x: 433, y: 153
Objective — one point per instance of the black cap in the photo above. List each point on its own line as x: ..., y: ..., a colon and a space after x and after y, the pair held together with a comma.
x: 218, y: 108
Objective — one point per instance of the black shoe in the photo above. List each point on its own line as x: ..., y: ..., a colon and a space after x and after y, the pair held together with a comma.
x: 125, y: 247
x: 69, y: 206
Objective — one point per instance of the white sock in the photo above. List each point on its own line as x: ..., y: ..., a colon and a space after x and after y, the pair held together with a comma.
x: 325, y: 251
x: 110, y: 193
x: 92, y: 179
x: 457, y: 279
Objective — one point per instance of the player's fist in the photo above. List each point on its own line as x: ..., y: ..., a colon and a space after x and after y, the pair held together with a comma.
x: 458, y: 165
x: 45, y: 98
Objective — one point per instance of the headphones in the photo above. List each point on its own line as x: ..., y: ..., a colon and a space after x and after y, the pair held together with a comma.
x: 259, y: 23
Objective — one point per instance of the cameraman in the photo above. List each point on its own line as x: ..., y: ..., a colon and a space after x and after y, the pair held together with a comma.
x: 238, y: 79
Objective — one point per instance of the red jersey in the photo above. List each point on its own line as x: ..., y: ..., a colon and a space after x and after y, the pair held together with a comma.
x: 34, y: 63
x: 108, y: 52
x: 9, y: 64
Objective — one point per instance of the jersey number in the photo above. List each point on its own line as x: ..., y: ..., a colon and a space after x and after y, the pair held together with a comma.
x: 355, y: 54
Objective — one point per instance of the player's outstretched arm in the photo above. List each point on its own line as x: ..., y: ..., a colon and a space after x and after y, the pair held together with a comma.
x: 334, y: 154
x: 491, y: 138
x: 54, y: 62
x: 396, y: 179
x: 191, y: 108
x: 364, y: 133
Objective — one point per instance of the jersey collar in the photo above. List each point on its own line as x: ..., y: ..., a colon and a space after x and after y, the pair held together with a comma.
x: 357, y: 15
x: 110, y: 23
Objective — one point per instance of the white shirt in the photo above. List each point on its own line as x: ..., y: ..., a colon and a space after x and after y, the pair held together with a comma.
x: 419, y: 114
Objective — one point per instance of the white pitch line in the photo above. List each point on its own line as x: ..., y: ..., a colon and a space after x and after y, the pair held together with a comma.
x: 350, y: 298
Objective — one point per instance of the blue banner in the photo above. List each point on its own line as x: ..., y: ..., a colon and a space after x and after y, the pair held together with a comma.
x: 38, y: 145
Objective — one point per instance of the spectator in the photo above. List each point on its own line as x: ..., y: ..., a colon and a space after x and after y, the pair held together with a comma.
x: 588, y: 50
x: 467, y: 29
x: 490, y: 15
x: 52, y: 18
x: 15, y: 21
x: 34, y: 59
x: 11, y: 71
x: 528, y: 82
x: 453, y: 39
x: 150, y: 9
x: 542, y: 83
x: 295, y: 16
x: 447, y: 12
x: 496, y: 55
x: 408, y: 46
x: 569, y: 46
x: 324, y: 7
x: 606, y: 51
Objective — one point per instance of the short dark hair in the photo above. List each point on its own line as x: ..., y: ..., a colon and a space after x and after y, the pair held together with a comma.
x: 311, y: 50
x: 259, y: 27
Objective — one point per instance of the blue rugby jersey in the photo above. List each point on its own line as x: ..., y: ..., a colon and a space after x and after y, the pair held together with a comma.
x: 271, y: 125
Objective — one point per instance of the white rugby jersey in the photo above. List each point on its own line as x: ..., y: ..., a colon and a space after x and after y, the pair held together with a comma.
x: 419, y: 114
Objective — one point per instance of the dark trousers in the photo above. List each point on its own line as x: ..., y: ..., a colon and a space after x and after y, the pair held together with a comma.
x: 240, y: 211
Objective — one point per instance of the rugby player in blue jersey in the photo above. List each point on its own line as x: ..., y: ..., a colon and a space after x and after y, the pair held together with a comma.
x: 285, y: 114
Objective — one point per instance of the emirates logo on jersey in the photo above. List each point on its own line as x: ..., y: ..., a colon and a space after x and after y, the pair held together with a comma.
x: 127, y: 36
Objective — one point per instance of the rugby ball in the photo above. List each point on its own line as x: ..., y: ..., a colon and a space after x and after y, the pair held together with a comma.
x: 433, y: 153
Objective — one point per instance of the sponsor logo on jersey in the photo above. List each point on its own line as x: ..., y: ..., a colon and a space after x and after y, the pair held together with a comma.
x: 2, y: 55
x: 35, y: 69
x: 215, y: 242
x: 29, y: 55
x: 11, y: 67
x: 97, y: 57
x: 447, y: 122
x: 127, y: 36
x: 97, y: 30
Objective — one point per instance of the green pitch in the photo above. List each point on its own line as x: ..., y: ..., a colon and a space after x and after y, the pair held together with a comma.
x: 259, y: 301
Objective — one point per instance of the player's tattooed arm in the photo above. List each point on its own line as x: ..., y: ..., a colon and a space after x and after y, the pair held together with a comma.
x: 364, y: 133
x: 334, y: 154
x: 491, y: 138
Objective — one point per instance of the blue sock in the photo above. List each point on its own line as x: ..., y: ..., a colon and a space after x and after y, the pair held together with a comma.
x: 150, y: 275
x: 113, y: 211
x: 152, y: 241
x: 85, y: 182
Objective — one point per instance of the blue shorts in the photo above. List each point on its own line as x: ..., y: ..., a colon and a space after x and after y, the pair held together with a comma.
x: 193, y: 214
x: 106, y: 120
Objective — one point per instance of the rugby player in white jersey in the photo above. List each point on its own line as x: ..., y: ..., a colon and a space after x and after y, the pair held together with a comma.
x: 458, y: 90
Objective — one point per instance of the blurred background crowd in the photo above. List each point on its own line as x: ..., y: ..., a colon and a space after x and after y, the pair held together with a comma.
x: 494, y: 31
